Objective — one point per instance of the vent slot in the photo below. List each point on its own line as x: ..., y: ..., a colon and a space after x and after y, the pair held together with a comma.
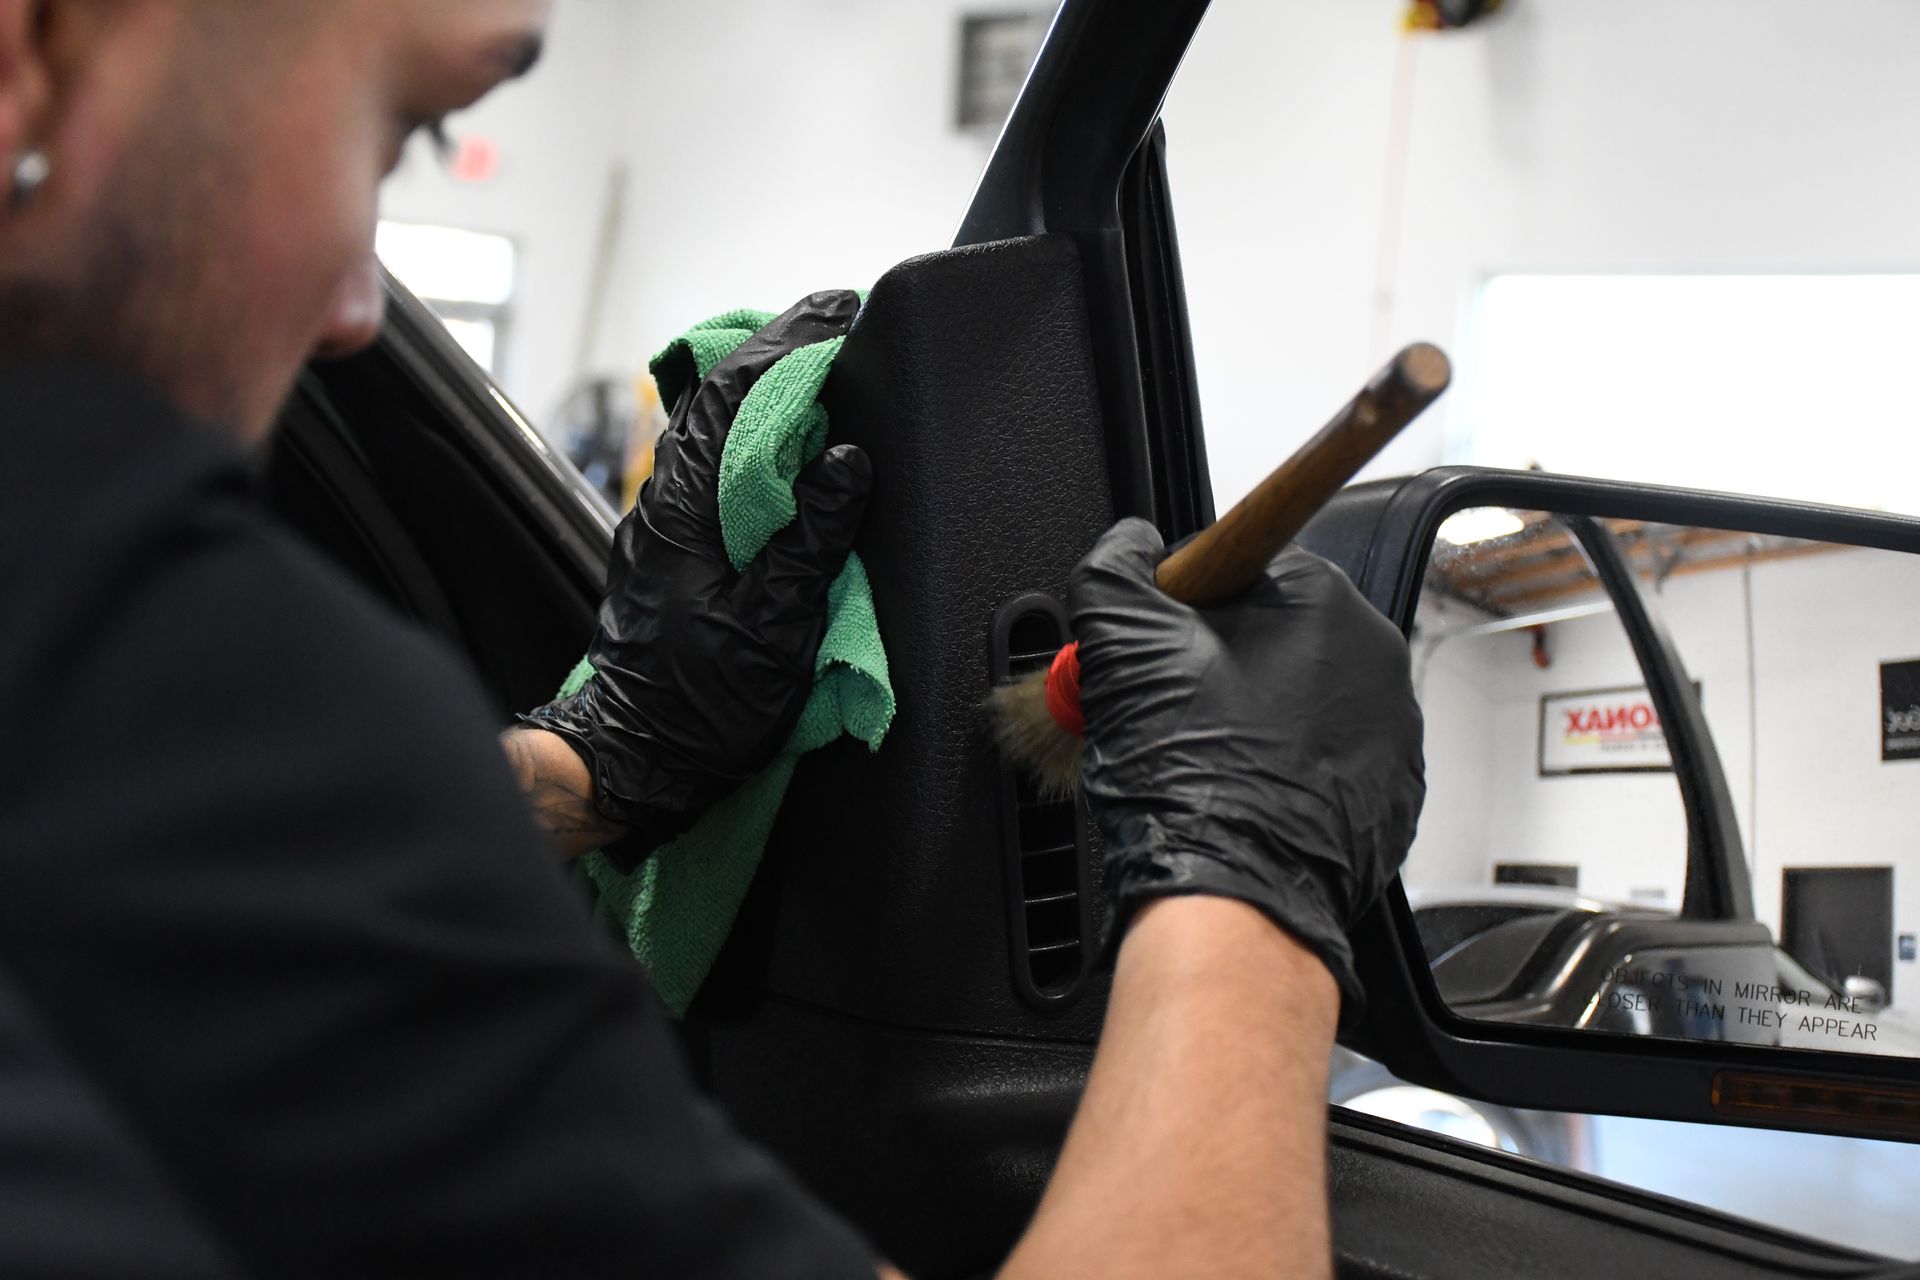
x: 1046, y: 825
x: 1049, y: 911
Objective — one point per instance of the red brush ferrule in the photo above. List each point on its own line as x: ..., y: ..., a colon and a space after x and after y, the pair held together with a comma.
x: 1063, y: 691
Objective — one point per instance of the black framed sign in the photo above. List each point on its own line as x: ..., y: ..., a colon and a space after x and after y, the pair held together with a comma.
x: 1601, y: 731
x: 1900, y: 710
x: 996, y: 52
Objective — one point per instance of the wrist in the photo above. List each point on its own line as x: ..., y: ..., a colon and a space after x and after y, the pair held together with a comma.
x: 1225, y: 959
x: 626, y: 783
x: 1283, y: 897
x: 559, y: 786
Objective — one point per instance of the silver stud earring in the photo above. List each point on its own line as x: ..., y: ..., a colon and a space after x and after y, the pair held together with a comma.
x: 31, y: 169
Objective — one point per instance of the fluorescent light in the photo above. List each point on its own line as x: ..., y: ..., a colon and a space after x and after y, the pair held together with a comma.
x: 448, y: 264
x: 1480, y: 524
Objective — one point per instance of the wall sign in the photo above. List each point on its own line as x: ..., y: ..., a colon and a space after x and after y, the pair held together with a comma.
x: 996, y: 51
x: 1900, y: 710
x: 1564, y: 875
x: 1601, y: 731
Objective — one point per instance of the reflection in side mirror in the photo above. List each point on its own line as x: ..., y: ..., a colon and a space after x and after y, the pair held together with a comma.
x: 1865, y: 994
x: 1559, y: 879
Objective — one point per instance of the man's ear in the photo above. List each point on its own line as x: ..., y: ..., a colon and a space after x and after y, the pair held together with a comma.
x: 26, y: 80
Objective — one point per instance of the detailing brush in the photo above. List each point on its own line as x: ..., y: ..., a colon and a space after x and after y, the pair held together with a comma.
x: 1037, y: 720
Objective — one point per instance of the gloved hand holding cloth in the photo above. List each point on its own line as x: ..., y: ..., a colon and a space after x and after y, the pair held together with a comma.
x: 737, y: 631
x: 701, y: 672
x: 1267, y: 750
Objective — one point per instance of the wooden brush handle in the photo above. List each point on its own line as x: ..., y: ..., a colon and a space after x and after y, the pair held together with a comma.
x: 1230, y: 555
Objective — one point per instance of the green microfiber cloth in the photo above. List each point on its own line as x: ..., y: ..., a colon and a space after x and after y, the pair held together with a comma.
x: 676, y: 908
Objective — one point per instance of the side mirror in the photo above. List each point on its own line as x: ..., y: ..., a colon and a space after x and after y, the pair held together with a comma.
x: 1622, y: 685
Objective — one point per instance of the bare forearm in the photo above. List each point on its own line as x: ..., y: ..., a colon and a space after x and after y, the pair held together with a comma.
x: 560, y: 789
x: 1200, y: 1146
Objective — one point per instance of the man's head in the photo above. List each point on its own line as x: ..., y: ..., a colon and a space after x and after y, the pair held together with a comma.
x: 213, y: 169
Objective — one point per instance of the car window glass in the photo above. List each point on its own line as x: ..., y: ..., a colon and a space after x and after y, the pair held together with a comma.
x: 1530, y: 826
x: 1556, y: 880
x: 1554, y: 823
x: 1851, y: 1191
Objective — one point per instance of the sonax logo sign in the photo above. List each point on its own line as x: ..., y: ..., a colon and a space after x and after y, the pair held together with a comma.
x: 1601, y: 731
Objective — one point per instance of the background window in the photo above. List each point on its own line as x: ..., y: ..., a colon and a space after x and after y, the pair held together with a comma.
x: 1771, y: 384
x: 466, y: 277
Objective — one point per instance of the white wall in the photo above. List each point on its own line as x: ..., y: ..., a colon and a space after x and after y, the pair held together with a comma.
x: 557, y: 154
x: 1825, y: 798
x: 787, y: 146
x: 774, y: 147
x: 780, y: 146
x: 1821, y: 625
x: 1636, y: 135
x: 1463, y: 686
x: 1482, y: 695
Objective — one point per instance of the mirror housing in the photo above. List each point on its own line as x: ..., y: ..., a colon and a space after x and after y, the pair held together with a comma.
x: 1381, y: 533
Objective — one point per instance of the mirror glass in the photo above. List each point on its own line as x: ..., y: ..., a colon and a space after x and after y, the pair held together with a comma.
x: 1673, y: 781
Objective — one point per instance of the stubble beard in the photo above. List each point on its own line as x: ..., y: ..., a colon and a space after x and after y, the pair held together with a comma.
x: 142, y: 295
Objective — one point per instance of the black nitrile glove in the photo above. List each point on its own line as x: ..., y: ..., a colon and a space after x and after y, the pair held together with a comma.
x: 703, y: 672
x: 1266, y: 750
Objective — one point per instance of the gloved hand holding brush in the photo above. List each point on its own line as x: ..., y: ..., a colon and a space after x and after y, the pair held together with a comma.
x: 1267, y: 749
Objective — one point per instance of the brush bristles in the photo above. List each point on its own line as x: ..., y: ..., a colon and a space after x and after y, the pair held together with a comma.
x: 1032, y: 739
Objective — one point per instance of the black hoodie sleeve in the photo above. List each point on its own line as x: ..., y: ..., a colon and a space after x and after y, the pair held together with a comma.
x: 271, y: 890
